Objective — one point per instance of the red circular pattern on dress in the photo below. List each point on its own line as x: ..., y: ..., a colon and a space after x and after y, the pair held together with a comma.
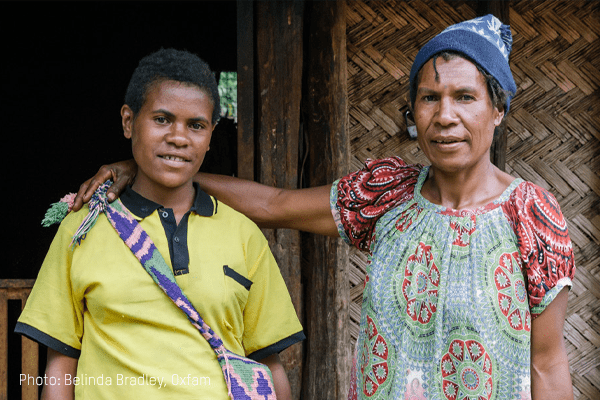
x: 373, y: 360
x: 464, y: 228
x: 511, y: 294
x: 471, y: 378
x: 421, y: 300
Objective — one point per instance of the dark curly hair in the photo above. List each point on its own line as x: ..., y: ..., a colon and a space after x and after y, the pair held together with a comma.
x: 176, y: 65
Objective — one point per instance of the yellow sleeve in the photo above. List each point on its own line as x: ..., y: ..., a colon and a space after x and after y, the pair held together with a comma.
x: 53, y: 314
x: 270, y: 320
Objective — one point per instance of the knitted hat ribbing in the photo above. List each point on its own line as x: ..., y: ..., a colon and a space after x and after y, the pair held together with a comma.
x: 484, y: 40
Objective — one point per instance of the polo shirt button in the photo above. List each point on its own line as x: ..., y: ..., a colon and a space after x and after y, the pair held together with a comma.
x: 165, y: 214
x: 176, y: 239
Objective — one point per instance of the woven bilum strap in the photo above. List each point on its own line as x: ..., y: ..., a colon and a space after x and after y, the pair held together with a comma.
x: 246, y: 379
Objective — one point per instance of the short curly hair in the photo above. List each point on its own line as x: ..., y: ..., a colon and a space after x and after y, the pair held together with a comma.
x: 176, y: 65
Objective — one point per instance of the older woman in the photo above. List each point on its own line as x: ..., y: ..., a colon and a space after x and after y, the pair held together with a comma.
x: 464, y: 294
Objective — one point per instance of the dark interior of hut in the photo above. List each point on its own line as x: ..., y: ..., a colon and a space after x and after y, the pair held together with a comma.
x: 64, y: 82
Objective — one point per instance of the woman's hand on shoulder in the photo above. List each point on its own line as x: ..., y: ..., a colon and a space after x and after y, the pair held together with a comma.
x: 122, y: 173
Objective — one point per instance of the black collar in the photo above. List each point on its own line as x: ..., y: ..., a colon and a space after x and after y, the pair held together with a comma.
x: 142, y: 207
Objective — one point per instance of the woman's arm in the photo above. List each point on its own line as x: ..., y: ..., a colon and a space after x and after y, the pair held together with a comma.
x: 283, y: 390
x: 550, y: 377
x: 59, y: 366
x: 303, y: 209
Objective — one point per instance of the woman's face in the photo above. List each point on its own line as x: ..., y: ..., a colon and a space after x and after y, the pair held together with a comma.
x: 454, y: 116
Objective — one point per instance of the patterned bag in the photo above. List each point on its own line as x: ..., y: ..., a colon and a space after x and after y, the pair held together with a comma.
x: 246, y: 379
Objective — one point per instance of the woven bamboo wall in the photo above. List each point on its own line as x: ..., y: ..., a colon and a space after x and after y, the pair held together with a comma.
x: 553, y: 128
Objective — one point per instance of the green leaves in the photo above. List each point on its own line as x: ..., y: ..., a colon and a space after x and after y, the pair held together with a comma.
x: 228, y: 94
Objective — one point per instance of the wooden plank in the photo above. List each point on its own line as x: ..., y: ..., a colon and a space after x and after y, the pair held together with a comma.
x: 29, y: 358
x: 16, y: 283
x: 278, y: 85
x: 245, y: 88
x: 16, y: 289
x: 29, y: 367
x: 328, y: 354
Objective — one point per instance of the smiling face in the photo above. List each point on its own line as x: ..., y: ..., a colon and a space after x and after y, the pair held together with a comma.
x: 454, y: 116
x: 170, y: 136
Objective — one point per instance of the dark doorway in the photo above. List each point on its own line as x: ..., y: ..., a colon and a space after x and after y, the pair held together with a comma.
x: 65, y: 70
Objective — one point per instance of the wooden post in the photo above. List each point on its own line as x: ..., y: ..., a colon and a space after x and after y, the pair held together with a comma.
x: 17, y: 289
x: 499, y: 8
x: 328, y: 356
x: 278, y: 86
x: 245, y: 88
x: 29, y: 356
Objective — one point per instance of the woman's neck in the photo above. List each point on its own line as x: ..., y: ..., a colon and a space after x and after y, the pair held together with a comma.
x: 468, y: 189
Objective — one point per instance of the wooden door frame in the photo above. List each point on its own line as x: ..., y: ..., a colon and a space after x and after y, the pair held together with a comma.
x: 269, y: 118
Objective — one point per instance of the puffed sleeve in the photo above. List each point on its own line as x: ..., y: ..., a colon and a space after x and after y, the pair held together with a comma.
x: 544, y: 243
x: 359, y: 199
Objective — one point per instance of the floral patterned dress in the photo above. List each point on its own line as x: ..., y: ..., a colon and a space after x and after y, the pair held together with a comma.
x: 449, y: 295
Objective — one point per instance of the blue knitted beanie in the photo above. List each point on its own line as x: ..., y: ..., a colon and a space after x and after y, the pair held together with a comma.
x: 484, y: 40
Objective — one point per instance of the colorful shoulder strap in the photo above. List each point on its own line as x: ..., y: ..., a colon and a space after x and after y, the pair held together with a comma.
x: 245, y: 378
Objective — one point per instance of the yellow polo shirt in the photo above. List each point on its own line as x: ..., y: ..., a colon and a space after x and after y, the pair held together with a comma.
x: 98, y: 304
